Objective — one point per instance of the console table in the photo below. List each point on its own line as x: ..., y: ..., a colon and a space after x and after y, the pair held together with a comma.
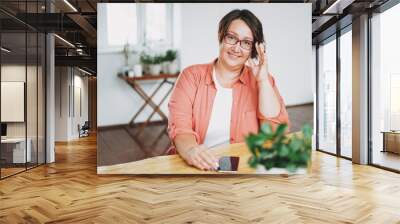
x: 135, y: 83
x: 391, y: 141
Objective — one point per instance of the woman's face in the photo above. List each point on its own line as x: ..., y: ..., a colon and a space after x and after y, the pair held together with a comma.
x: 236, y: 55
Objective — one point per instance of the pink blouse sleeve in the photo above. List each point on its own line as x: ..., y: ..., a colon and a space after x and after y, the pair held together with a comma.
x: 180, y: 106
x: 282, y: 117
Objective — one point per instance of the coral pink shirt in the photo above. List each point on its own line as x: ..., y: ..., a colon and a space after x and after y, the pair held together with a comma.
x: 193, y: 96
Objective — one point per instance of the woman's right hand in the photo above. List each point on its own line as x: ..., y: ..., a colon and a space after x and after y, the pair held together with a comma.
x: 200, y: 157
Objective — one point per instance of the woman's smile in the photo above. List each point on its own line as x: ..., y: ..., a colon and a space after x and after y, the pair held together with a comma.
x: 233, y: 55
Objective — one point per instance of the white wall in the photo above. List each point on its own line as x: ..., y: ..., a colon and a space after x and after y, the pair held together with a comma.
x: 116, y: 100
x: 61, y: 103
x: 66, y: 121
x: 79, y: 117
x: 33, y: 126
x: 17, y: 73
x: 287, y: 30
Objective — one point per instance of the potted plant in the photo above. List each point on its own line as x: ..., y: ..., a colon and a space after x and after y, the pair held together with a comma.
x: 164, y: 64
x: 152, y: 64
x: 172, y: 66
x: 126, y: 70
x: 155, y: 67
x: 277, y: 152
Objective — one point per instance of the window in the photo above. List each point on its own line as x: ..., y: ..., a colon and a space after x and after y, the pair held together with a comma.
x: 394, y: 101
x: 385, y: 88
x: 327, y: 96
x: 138, y: 24
x: 346, y: 94
x: 156, y: 26
x: 122, y: 24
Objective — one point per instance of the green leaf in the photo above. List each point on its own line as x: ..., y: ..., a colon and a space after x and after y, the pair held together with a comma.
x: 280, y: 130
x: 250, y: 142
x: 266, y: 128
x: 268, y: 165
x: 253, y: 161
x: 271, y: 155
x: 295, y: 144
x: 259, y: 140
x: 284, y: 151
x: 307, y: 131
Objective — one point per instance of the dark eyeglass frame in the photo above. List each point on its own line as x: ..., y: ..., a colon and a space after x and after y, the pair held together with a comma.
x: 241, y: 42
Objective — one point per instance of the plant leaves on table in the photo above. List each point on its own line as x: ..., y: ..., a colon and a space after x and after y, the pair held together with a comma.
x: 275, y: 149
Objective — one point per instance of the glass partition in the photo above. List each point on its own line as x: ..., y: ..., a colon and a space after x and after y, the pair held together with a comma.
x: 14, y: 153
x: 327, y: 96
x: 346, y: 93
x: 22, y: 88
x: 385, y: 89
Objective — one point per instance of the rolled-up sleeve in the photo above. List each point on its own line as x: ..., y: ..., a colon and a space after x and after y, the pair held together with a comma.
x: 180, y: 106
x: 282, y: 117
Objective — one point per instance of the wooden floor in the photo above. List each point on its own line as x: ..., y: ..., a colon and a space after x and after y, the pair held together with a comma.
x: 70, y: 191
x: 386, y: 159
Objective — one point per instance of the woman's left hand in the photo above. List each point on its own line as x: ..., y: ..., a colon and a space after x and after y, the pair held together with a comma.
x: 260, y: 69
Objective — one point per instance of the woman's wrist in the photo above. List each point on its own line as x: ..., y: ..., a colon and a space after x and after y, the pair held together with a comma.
x: 263, y: 79
x: 187, y: 151
x: 259, y: 81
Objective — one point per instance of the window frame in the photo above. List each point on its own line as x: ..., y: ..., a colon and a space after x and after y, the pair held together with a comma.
x: 334, y: 37
x: 141, y: 30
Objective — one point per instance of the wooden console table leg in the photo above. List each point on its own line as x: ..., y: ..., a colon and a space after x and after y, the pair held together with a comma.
x: 158, y: 110
x: 144, y: 96
x: 146, y: 102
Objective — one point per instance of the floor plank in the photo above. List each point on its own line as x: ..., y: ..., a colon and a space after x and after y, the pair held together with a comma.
x: 70, y: 191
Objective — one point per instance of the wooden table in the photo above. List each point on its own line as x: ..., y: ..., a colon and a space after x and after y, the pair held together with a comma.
x: 174, y: 164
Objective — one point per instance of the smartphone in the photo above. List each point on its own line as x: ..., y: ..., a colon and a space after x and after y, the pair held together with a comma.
x: 228, y: 164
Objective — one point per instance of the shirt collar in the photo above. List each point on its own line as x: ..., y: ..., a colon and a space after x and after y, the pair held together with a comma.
x: 244, y: 76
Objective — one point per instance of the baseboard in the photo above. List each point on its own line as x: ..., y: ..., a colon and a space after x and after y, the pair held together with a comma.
x: 300, y: 105
x: 119, y: 126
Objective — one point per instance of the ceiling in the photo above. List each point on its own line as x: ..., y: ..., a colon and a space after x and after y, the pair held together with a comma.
x: 76, y: 22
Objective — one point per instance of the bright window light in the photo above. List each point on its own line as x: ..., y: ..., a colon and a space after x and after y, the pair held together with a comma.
x: 156, y: 26
x: 122, y: 24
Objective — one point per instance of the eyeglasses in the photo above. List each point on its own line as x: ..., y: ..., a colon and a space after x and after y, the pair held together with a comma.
x: 232, y: 40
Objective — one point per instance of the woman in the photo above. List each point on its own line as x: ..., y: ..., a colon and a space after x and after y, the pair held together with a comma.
x: 221, y: 102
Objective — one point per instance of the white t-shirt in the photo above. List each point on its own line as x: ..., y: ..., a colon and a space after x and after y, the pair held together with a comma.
x: 218, y: 132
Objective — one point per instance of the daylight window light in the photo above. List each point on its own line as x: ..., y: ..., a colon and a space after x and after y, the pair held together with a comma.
x: 86, y: 72
x: 64, y: 40
x: 70, y: 5
x: 5, y: 49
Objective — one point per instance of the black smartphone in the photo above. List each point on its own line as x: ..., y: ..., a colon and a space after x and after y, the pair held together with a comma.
x: 228, y: 164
